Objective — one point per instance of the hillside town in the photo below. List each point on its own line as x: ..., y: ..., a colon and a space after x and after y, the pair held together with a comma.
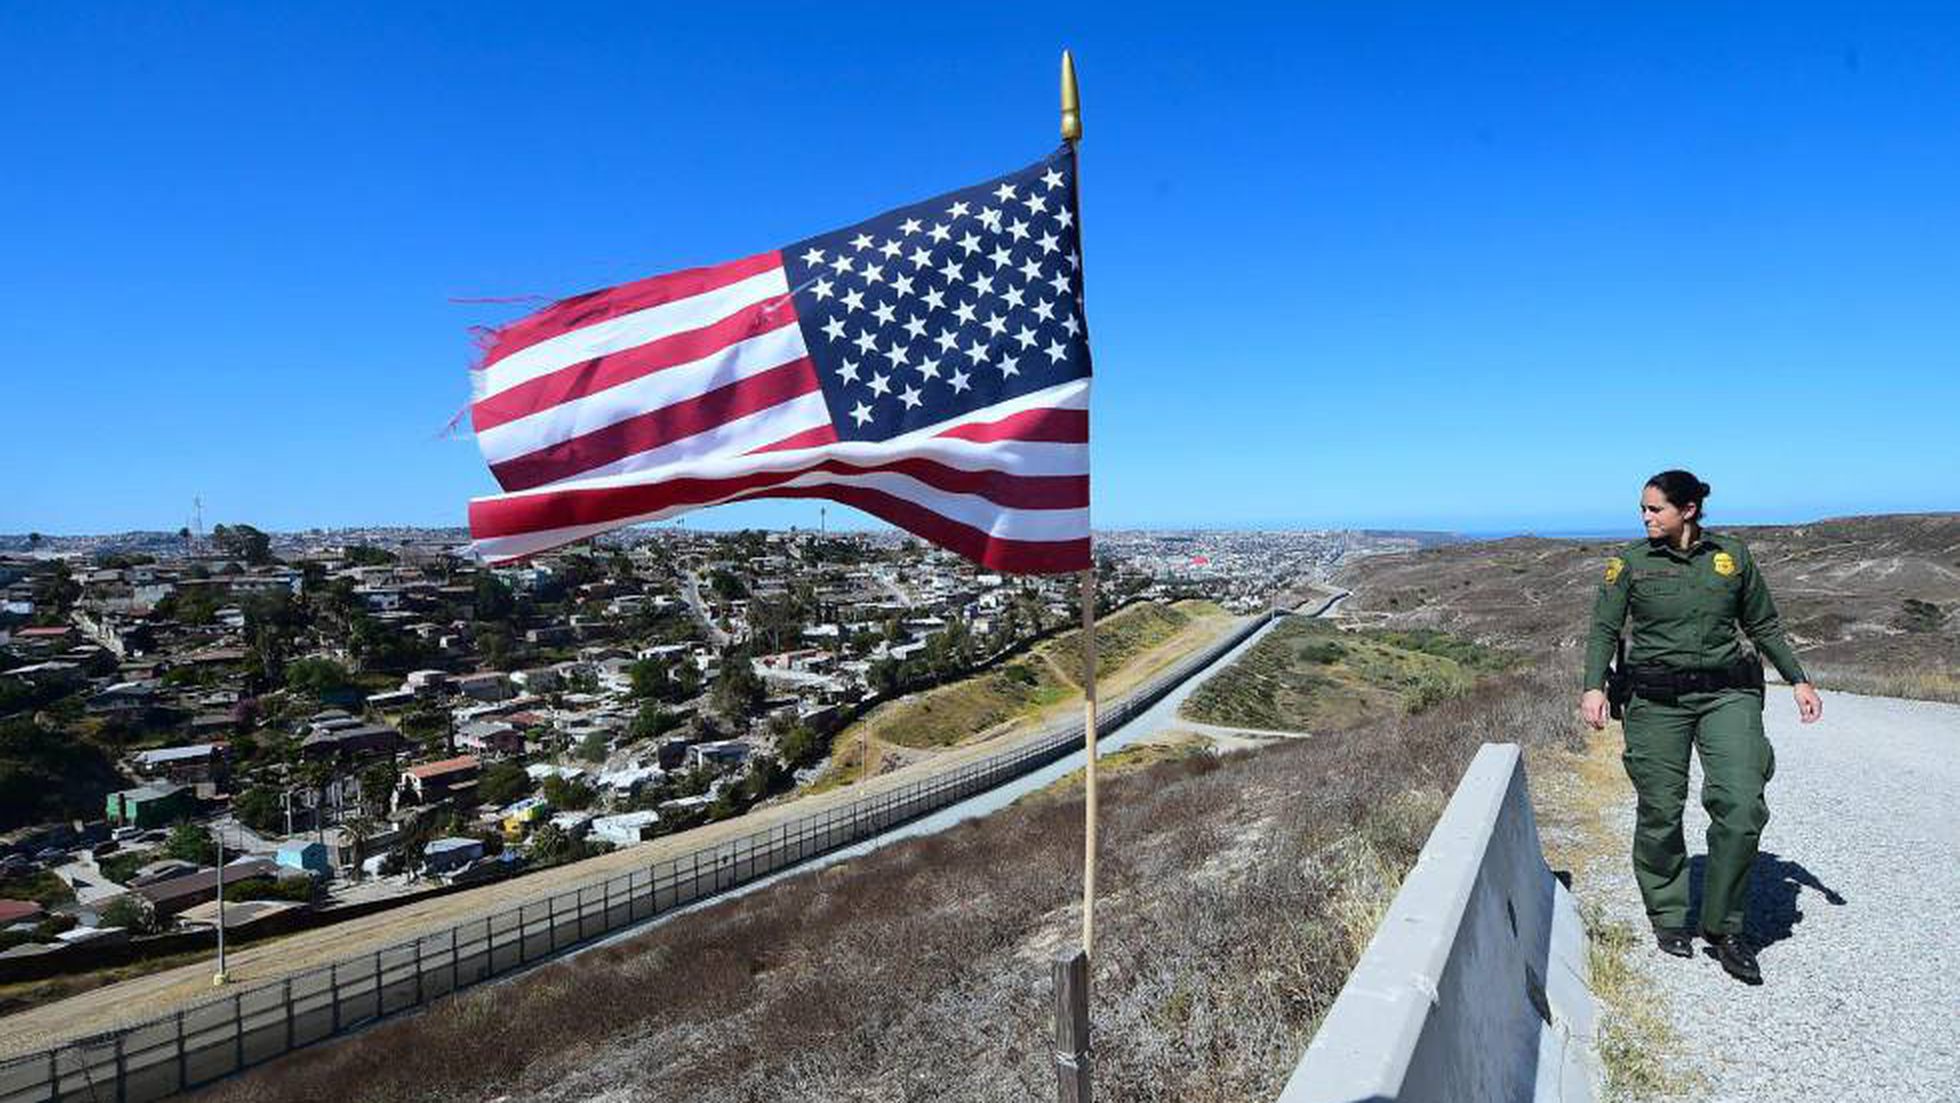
x: 300, y: 723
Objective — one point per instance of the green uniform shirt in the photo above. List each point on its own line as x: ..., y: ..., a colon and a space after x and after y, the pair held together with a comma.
x: 1685, y: 607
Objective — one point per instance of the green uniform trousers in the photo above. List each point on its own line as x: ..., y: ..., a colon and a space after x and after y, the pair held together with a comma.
x: 1725, y: 728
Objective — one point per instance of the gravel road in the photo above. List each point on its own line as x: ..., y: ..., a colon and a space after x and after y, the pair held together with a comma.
x: 1853, y: 900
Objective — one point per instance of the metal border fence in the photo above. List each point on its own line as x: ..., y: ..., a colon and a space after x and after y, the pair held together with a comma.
x: 205, y: 1041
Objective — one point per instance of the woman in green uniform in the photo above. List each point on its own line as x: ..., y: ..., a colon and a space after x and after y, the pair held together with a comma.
x: 1693, y: 688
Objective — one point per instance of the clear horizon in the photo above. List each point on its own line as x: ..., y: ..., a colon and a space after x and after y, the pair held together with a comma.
x: 1346, y: 268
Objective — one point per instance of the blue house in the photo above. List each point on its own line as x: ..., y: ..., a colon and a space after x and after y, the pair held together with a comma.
x: 309, y: 856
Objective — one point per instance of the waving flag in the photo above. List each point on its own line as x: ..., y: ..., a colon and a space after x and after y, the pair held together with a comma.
x: 929, y: 366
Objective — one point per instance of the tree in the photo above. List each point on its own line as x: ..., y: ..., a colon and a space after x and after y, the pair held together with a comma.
x: 377, y: 789
x: 593, y: 747
x: 494, y: 602
x: 243, y: 542
x: 503, y: 783
x: 34, y: 540
x: 317, y: 677
x: 567, y: 794
x: 801, y: 746
x: 654, y: 720
x: 738, y: 691
x: 260, y: 808
x: 367, y: 555
x: 132, y: 913
x: 191, y: 843
x: 549, y: 846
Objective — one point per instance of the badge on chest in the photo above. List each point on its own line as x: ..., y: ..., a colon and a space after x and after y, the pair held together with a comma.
x: 1724, y: 564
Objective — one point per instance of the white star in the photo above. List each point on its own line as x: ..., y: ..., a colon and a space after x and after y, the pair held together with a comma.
x: 1045, y: 310
x: 971, y: 243
x: 861, y: 413
x: 849, y: 372
x: 1018, y: 229
x: 853, y: 299
x: 834, y: 328
x: 964, y: 312
x: 873, y: 273
x: 902, y: 285
x: 916, y: 327
x: 910, y: 226
x: 1009, y: 366
x: 921, y: 256
x: 861, y: 242
x: 910, y: 396
x: 1004, y: 193
x: 897, y: 354
x: 949, y: 340
x: 995, y: 324
x: 1051, y: 179
x: 891, y: 248
x: 1034, y: 203
x: 1057, y: 352
x: 958, y: 381
x: 880, y: 385
x: 884, y: 313
x: 1011, y: 296
x: 951, y: 271
x: 867, y: 342
x: 1031, y: 269
x: 990, y: 218
x: 814, y: 257
x: 1066, y: 217
x: 934, y: 298
x: 1059, y: 283
x: 939, y: 233
x: 821, y: 289
x: 1048, y: 242
x: 929, y: 367
x: 1026, y: 337
x: 977, y: 353
x: 957, y: 210
x: 1000, y: 256
x: 983, y: 285
x: 1074, y: 327
x: 840, y: 264
x: 1074, y: 261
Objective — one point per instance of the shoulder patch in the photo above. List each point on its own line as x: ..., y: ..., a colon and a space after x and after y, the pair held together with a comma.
x: 1613, y: 568
x: 1724, y: 564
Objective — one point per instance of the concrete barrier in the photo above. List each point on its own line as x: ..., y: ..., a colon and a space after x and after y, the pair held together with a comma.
x: 1474, y: 986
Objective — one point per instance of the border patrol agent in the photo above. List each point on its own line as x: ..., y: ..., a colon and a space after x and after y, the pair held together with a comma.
x: 1690, y: 685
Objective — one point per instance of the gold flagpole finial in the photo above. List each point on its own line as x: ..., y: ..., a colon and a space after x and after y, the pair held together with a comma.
x: 1071, y: 101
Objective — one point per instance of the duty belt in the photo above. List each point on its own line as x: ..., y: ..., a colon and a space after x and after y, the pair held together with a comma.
x: 1664, y: 683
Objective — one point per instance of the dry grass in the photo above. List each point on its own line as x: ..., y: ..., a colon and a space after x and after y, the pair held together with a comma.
x: 1238, y: 891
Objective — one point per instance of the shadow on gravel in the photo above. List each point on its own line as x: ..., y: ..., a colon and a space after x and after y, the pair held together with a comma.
x: 1775, y: 889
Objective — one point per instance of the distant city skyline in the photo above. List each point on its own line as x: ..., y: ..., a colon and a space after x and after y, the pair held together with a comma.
x: 1453, y: 270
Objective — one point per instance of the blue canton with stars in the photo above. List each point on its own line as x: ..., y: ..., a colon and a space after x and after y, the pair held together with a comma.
x: 943, y: 307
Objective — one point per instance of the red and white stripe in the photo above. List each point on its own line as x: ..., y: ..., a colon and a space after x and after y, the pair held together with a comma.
x: 645, y: 401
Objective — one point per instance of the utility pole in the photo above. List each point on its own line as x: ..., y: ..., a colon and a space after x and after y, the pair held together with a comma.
x: 218, y: 834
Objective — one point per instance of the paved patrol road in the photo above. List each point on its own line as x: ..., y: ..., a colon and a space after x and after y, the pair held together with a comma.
x: 1856, y: 901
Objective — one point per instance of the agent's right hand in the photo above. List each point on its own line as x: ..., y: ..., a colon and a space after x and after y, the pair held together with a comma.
x: 1593, y: 706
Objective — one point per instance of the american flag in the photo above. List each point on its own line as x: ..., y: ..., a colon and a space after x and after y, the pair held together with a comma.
x: 929, y: 366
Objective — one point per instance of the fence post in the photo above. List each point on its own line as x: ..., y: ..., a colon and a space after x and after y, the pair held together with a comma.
x: 238, y: 1032
x: 334, y: 973
x: 1072, y: 1069
x: 54, y: 1066
x: 183, y: 1060
x: 286, y: 990
x: 379, y: 1004
x: 122, y: 1071
x: 418, y: 971
x: 489, y: 948
x: 523, y: 933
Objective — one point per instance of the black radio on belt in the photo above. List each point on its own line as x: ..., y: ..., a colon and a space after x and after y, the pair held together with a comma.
x: 1619, y: 681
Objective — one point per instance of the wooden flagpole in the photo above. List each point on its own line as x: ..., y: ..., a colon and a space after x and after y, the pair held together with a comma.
x: 1072, y: 134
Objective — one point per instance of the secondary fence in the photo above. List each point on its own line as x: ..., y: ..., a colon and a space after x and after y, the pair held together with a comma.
x: 252, y: 1024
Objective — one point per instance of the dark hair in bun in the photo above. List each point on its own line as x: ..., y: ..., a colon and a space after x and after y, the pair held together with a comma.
x: 1680, y: 488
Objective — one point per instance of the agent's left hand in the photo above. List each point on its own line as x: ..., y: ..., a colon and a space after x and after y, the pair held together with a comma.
x: 1809, y: 705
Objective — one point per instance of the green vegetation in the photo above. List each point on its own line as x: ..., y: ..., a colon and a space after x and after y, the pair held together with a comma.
x: 299, y: 890
x: 42, y: 887
x: 502, y: 784
x: 1306, y: 675
x: 47, y: 774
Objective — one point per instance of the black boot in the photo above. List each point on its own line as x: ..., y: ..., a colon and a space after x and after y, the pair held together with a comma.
x: 1678, y: 941
x: 1737, y: 956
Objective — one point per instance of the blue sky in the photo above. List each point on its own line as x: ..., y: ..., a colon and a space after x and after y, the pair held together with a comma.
x: 1347, y: 265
